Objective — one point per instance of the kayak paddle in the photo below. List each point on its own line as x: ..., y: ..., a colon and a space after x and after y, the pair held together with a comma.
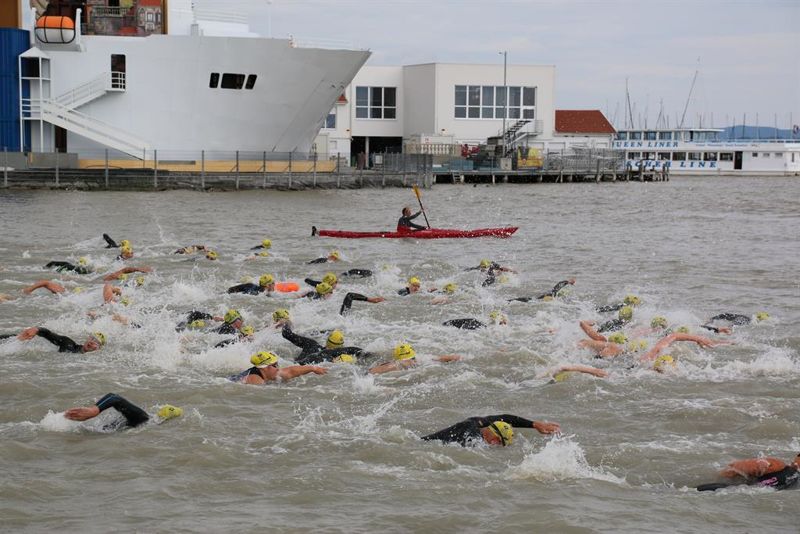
x: 419, y: 199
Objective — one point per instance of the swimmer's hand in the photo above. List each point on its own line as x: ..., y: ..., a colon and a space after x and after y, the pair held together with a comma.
x: 543, y: 427
x: 317, y: 370
x: 82, y: 414
x: 28, y: 333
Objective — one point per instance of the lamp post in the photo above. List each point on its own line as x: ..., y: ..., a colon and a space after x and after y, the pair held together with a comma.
x: 505, y: 94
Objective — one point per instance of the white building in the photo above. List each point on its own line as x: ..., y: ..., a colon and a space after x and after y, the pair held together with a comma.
x: 440, y: 103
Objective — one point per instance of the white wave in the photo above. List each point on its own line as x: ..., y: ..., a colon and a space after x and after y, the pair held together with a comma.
x: 56, y: 422
x: 560, y: 459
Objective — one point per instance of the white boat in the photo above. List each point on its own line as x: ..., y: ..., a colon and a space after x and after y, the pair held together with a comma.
x: 177, y: 94
x: 700, y: 151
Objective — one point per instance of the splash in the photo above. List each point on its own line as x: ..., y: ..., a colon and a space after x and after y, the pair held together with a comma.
x: 56, y: 422
x: 560, y: 459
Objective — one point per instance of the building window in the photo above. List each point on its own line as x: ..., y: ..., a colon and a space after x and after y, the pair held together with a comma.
x: 726, y: 156
x: 679, y: 156
x: 232, y: 81
x: 251, y: 81
x: 376, y: 102
x: 710, y: 156
x: 665, y: 136
x: 491, y: 101
x: 330, y: 120
x: 213, y: 82
x: 622, y: 136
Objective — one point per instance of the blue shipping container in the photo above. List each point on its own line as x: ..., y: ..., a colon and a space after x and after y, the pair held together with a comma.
x: 13, y: 42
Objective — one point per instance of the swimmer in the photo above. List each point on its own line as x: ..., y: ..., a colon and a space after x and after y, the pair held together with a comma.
x: 94, y: 342
x: 405, y: 358
x: 232, y: 322
x: 469, y: 323
x: 132, y: 415
x: 52, y: 287
x: 734, y: 319
x: 765, y: 472
x: 191, y: 249
x: 560, y: 373
x: 629, y: 300
x: 265, y: 369
x: 413, y: 286
x: 347, y: 302
x: 333, y: 256
x: 110, y: 243
x: 313, y: 352
x: 330, y: 278
x: 281, y: 318
x: 352, y: 273
x: 624, y: 316
x: 211, y: 255
x: 116, y: 275
x: 125, y: 253
x: 322, y: 291
x: 550, y: 295
x: 83, y: 266
x: 266, y: 244
x: 665, y: 342
x: 266, y: 285
x: 604, y: 347
x: 245, y: 334
x: 491, y: 269
x: 404, y: 224
x: 491, y: 429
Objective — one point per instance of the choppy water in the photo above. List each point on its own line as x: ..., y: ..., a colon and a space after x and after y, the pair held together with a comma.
x: 341, y: 452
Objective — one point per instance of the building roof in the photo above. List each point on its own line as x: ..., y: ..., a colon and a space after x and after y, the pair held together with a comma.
x: 584, y: 121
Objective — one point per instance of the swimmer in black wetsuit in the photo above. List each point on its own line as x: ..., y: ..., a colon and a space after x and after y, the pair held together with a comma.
x: 232, y: 321
x: 469, y: 323
x: 767, y: 472
x: 550, y: 295
x: 332, y: 257
x: 61, y: 266
x: 347, y: 303
x: 491, y: 269
x: 245, y: 333
x: 191, y: 249
x: 94, y: 342
x: 265, y: 369
x: 629, y: 300
x: 265, y: 245
x: 404, y: 224
x: 413, y: 287
x: 492, y: 429
x: 323, y: 290
x: 313, y: 352
x: 734, y: 319
x: 332, y: 279
x: 110, y: 243
x: 132, y: 415
x: 266, y: 285
x: 623, y: 317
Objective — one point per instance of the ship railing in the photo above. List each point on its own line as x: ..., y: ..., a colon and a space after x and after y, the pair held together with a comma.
x: 330, y: 44
x: 109, y: 11
x: 84, y: 93
x: 117, y: 81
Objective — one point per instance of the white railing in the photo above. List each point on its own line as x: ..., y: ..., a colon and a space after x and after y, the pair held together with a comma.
x: 330, y: 44
x: 117, y: 81
x: 83, y: 93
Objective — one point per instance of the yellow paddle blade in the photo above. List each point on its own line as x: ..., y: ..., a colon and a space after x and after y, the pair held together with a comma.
x: 416, y: 191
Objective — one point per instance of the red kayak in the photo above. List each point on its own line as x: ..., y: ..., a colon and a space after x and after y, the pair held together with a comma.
x: 430, y: 233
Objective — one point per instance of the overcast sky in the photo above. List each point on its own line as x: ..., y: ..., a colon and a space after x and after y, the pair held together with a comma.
x: 747, y: 51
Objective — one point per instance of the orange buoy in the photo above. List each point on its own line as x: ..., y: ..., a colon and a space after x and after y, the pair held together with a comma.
x: 55, y: 29
x: 287, y: 287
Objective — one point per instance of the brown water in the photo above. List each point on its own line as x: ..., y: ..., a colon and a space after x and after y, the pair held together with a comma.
x: 341, y: 452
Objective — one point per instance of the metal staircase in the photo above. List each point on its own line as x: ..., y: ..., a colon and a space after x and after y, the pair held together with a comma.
x: 92, y: 90
x: 519, y: 130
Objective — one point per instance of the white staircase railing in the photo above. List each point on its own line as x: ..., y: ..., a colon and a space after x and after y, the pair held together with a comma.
x: 91, y: 90
x: 78, y: 123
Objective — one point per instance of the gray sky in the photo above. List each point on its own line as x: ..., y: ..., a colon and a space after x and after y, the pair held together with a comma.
x: 747, y: 51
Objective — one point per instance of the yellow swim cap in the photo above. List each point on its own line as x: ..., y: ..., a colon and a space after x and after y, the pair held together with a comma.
x: 263, y: 254
x: 264, y: 359
x: 334, y: 254
x: 626, y: 313
x: 664, y: 361
x: 659, y: 321
x: 82, y: 261
x: 247, y: 330
x: 498, y: 317
x: 485, y: 264
x: 330, y: 279
x: 282, y: 313
x: 100, y: 337
x: 414, y: 281
x: 126, y: 250
x: 504, y: 431
x: 335, y: 339
x: 560, y: 377
x: 265, y: 280
x: 762, y: 316
x: 323, y: 288
x: 636, y: 345
x: 168, y: 411
x: 211, y: 255
x: 266, y: 243
x: 618, y: 338
x: 683, y: 329
x: 125, y: 243
x: 547, y: 298
x: 78, y: 290
x: 344, y: 358
x: 125, y: 301
x: 404, y: 352
x: 450, y: 288
x: 231, y: 316
x: 140, y: 280
x: 632, y: 300
x: 198, y: 323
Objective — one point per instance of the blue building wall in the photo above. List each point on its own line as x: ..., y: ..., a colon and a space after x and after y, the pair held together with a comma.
x: 13, y: 42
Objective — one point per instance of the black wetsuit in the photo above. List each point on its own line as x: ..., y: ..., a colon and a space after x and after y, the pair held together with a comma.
x: 247, y: 289
x: 467, y: 323
x: 313, y: 295
x: 786, y: 478
x: 63, y: 343
x: 552, y: 293
x: 611, y: 307
x: 133, y: 415
x: 110, y: 243
x: 359, y: 273
x: 347, y: 303
x: 405, y: 222
x: 193, y: 316
x: 226, y: 328
x: 62, y: 266
x: 612, y: 325
x: 238, y: 377
x: 258, y: 247
x: 225, y: 342
x: 7, y: 336
x: 318, y: 260
x: 469, y: 431
x: 491, y: 273
x: 404, y: 292
x: 735, y: 319
x: 312, y: 352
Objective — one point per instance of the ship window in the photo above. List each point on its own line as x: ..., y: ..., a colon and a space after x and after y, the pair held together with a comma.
x: 232, y: 81
x: 213, y: 82
x: 634, y: 155
x: 755, y: 154
x: 650, y: 136
x: 710, y: 156
x: 664, y: 156
x: 695, y: 156
x: 726, y: 156
x: 648, y: 155
x: 528, y: 113
x: 636, y: 136
x: 765, y: 155
x: 622, y: 136
x: 251, y: 81
x: 665, y: 136
x: 778, y: 154
x: 679, y: 156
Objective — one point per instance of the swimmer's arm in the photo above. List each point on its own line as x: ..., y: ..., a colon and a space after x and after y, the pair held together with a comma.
x: 753, y: 467
x: 109, y: 292
x: 392, y: 366
x: 126, y: 270
x: 439, y: 300
x: 134, y: 415
x: 287, y: 373
x: 82, y: 413
x: 700, y: 340
x: 587, y: 369
x: 447, y: 358
x: 588, y: 328
x: 52, y: 287
x: 543, y: 427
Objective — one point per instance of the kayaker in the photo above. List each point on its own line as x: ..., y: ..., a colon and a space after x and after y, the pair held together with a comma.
x: 404, y: 224
x: 766, y: 472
